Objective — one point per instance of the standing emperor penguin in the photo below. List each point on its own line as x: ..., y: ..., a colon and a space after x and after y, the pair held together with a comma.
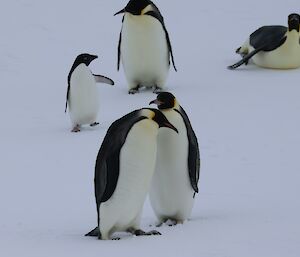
x: 175, y: 181
x: 82, y: 95
x: 144, y: 46
x: 276, y: 47
x: 124, y: 168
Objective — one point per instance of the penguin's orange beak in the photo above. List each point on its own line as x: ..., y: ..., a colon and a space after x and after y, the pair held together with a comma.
x: 157, y: 102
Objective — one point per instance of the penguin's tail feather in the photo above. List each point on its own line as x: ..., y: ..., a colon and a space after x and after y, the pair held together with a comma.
x: 95, y: 233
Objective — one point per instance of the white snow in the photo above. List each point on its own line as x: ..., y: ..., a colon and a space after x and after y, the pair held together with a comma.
x: 247, y: 122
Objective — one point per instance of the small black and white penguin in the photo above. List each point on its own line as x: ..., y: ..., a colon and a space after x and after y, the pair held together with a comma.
x: 82, y: 95
x: 175, y: 181
x: 276, y: 47
x: 123, y: 172
x: 144, y: 46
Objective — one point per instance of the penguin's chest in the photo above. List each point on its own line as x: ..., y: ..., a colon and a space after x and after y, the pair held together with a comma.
x: 287, y: 56
x: 137, y: 163
x: 83, y: 101
x: 144, y: 49
x: 172, y: 153
x: 171, y: 185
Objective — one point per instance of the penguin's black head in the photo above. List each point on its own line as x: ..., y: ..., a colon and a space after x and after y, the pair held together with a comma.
x: 294, y: 21
x: 85, y: 58
x: 164, y: 100
x: 135, y: 7
x: 161, y: 119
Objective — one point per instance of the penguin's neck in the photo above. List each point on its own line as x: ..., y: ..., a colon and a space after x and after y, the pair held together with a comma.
x: 293, y: 38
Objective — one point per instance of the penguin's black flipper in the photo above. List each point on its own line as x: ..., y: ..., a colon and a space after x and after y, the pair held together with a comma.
x: 194, y: 153
x: 95, y: 233
x: 119, y: 46
x: 245, y: 59
x: 68, y: 93
x: 108, y: 158
x: 156, y: 14
x: 119, y: 50
x: 103, y: 79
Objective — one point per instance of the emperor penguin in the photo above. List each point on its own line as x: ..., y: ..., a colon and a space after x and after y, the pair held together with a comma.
x: 82, y: 95
x: 175, y: 181
x: 275, y: 47
x: 123, y: 172
x: 144, y: 46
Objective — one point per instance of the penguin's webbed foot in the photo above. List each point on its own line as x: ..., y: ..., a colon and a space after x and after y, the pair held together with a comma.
x: 76, y: 129
x: 134, y: 90
x: 140, y: 232
x: 171, y: 222
x: 157, y: 90
x: 116, y: 238
x: 94, y: 124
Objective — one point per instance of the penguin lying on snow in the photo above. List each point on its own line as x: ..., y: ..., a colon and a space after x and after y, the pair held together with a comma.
x: 144, y: 46
x: 123, y: 172
x: 176, y: 176
x: 82, y: 96
x: 276, y: 47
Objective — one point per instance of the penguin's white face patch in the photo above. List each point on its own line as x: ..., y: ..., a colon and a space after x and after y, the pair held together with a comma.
x: 148, y: 8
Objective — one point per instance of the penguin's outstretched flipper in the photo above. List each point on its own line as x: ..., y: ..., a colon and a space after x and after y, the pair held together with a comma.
x: 245, y: 59
x: 103, y: 79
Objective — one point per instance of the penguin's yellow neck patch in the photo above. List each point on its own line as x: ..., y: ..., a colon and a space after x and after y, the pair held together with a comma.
x: 148, y: 113
x: 176, y: 104
x: 148, y: 8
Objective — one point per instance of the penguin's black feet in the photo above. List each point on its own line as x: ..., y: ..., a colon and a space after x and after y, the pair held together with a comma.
x: 116, y: 238
x: 94, y: 124
x: 140, y: 232
x: 95, y: 233
x: 157, y: 90
x: 76, y: 129
x: 134, y: 90
x: 171, y: 222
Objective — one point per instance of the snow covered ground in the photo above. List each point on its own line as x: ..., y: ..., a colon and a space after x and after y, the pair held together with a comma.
x: 247, y: 122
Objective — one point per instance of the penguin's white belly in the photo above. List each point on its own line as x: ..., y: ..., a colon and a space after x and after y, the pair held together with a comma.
x: 287, y: 56
x: 144, y: 51
x: 171, y: 193
x: 137, y: 163
x: 83, y: 98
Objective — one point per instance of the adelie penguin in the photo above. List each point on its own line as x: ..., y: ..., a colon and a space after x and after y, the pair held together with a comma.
x: 144, y: 46
x: 276, y: 47
x: 175, y: 181
x: 82, y: 95
x: 123, y: 172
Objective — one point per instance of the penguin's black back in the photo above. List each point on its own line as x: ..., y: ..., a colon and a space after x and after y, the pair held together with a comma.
x: 268, y: 37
